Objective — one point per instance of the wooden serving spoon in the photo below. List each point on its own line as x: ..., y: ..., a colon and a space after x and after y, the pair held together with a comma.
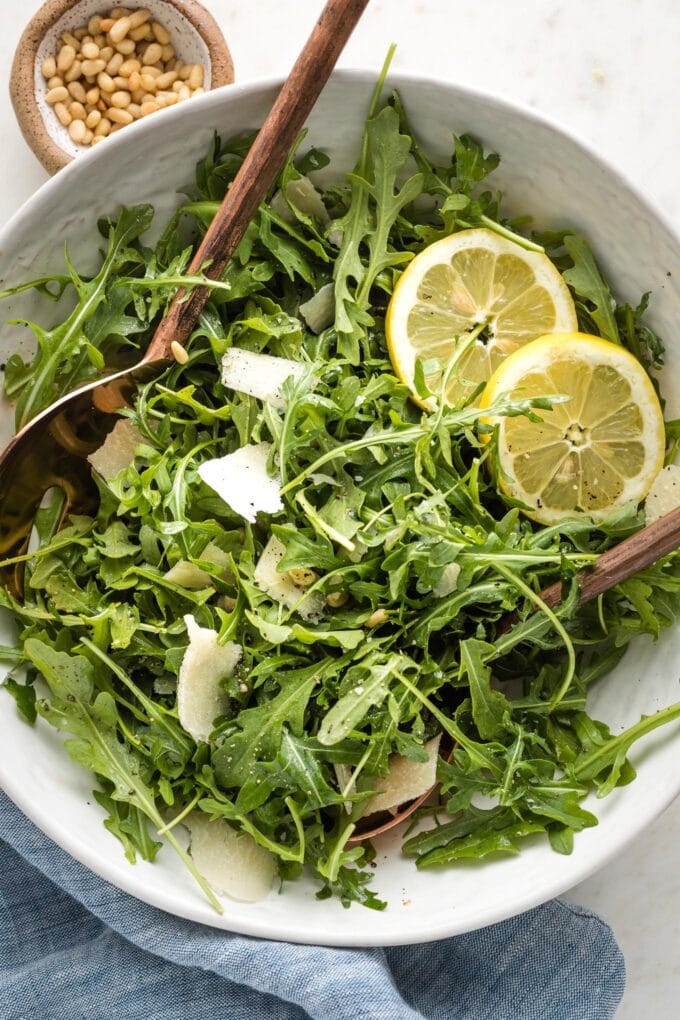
x: 51, y: 450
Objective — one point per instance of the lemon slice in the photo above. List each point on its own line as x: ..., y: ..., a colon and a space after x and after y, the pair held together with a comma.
x: 597, y: 451
x: 470, y: 280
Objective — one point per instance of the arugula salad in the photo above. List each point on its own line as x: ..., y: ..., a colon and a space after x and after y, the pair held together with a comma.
x: 290, y: 611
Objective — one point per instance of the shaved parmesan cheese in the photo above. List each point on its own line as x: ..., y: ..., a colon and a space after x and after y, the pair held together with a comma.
x: 303, y: 195
x: 319, y: 311
x: 231, y: 861
x: 447, y: 582
x: 405, y: 780
x: 118, y: 449
x: 664, y: 494
x: 281, y: 587
x: 200, y: 698
x: 259, y: 375
x: 187, y: 575
x: 241, y: 479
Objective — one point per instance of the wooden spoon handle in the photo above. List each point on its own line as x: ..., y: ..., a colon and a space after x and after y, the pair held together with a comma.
x: 624, y: 560
x: 260, y: 167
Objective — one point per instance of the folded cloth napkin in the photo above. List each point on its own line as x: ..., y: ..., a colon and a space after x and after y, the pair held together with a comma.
x: 73, y: 947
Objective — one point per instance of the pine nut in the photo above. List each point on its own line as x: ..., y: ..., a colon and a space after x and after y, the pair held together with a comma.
x: 97, y: 139
x: 91, y: 68
x: 162, y: 35
x: 121, y: 100
x: 77, y: 91
x: 184, y: 92
x: 74, y: 72
x: 87, y: 137
x: 196, y: 77
x: 58, y: 95
x: 120, y: 12
x: 128, y: 66
x: 148, y: 82
x: 178, y: 353
x: 134, y: 81
x: 106, y: 52
x: 62, y: 113
x: 94, y: 25
x: 141, y: 34
x: 93, y: 119
x: 90, y: 51
x: 101, y: 106
x: 119, y: 30
x: 139, y: 17
x: 77, y: 130
x: 49, y: 68
x: 198, y: 92
x: 185, y: 71
x: 138, y: 96
x: 77, y: 111
x: 115, y: 63
x: 92, y: 96
x: 70, y: 40
x: 107, y: 24
x: 135, y: 109
x: 55, y: 83
x: 164, y: 81
x: 335, y: 599
x: 153, y: 71
x: 105, y: 82
x: 126, y: 47
x: 167, y: 98
x: 103, y: 127
x: 119, y: 116
x: 67, y: 55
x: 148, y: 108
x: 80, y: 34
x: 152, y: 54
x: 168, y: 55
x: 377, y: 618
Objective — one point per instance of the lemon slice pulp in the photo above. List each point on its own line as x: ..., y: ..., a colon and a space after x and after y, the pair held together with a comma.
x: 599, y: 450
x: 472, y: 280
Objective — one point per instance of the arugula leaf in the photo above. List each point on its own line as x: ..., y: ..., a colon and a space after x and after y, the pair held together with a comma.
x: 590, y: 287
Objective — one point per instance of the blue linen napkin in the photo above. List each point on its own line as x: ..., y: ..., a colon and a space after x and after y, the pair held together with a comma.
x: 73, y: 947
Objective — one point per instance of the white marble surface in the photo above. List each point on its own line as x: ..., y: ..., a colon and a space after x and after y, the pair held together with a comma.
x: 609, y: 70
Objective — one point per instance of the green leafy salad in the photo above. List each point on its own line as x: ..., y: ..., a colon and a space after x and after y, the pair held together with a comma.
x: 290, y: 609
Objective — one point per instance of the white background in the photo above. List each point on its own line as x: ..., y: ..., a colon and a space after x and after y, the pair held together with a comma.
x: 610, y: 71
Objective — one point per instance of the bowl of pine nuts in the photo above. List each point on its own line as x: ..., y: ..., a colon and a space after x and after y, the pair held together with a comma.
x: 84, y: 70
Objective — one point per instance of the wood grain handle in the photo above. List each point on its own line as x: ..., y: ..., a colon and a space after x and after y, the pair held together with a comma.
x: 624, y: 560
x: 260, y: 167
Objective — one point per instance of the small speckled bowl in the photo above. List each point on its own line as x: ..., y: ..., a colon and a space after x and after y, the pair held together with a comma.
x: 195, y: 35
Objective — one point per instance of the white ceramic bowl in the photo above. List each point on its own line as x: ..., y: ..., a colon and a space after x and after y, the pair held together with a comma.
x: 545, y: 172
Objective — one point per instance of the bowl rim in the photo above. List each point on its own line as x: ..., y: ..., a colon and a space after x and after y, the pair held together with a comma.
x: 22, y: 76
x: 119, y: 872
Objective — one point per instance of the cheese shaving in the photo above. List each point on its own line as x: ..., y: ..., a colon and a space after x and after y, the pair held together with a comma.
x: 259, y: 375
x: 405, y: 780
x: 281, y: 587
x: 200, y: 698
x: 230, y: 861
x: 664, y: 494
x: 118, y: 449
x: 242, y: 480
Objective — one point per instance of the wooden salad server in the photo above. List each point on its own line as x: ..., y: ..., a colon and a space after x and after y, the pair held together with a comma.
x: 51, y: 450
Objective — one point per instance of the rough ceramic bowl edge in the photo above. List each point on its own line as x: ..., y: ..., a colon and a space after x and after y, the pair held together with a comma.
x: 22, y: 77
x: 120, y: 873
